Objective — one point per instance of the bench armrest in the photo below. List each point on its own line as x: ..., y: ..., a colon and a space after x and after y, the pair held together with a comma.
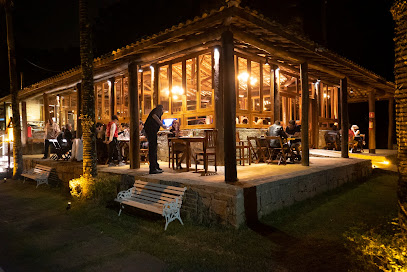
x: 124, y: 194
x: 171, y: 207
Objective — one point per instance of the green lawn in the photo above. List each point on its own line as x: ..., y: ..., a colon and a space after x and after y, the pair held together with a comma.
x: 37, y: 233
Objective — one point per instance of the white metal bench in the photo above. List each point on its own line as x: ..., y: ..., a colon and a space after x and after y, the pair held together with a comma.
x: 40, y: 174
x: 157, y: 198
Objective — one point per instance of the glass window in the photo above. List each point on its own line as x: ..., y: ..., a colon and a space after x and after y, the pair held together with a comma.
x: 164, y: 88
x: 177, y: 91
x: 242, y: 78
x: 98, y: 101
x: 205, y: 73
x: 125, y: 97
x: 119, y: 98
x: 147, y: 91
x: 106, y: 101
x: 191, y: 84
x: 255, y: 85
x: 267, y: 87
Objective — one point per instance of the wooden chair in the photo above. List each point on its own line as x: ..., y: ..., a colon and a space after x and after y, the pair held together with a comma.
x: 277, y: 152
x: 175, y: 148
x: 254, y: 156
x: 240, y: 148
x: 209, y: 149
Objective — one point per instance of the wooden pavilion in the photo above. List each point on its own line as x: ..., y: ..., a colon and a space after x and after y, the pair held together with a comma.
x: 229, y: 69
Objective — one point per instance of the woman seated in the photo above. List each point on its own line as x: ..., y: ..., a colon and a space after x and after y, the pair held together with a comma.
x: 177, y: 147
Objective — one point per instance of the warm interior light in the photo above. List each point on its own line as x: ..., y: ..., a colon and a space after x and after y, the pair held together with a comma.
x: 244, y: 77
x: 386, y: 162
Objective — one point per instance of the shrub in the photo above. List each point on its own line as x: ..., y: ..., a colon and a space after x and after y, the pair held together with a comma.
x: 101, y: 189
x: 384, y: 249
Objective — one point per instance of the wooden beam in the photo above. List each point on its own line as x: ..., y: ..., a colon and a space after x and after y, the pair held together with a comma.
x: 344, y: 119
x: 372, y: 122
x: 78, y: 110
x: 315, y: 118
x: 305, y: 114
x: 24, y: 123
x: 391, y: 124
x: 46, y: 107
x: 229, y: 106
x: 277, y: 52
x: 134, y: 108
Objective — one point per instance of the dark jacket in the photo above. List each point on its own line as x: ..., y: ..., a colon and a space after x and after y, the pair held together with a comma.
x: 151, y: 125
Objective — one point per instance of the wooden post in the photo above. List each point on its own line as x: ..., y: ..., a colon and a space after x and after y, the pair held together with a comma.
x: 229, y: 106
x: 24, y: 123
x: 276, y: 89
x: 391, y: 124
x: 217, y: 86
x: 46, y: 107
x: 78, y: 110
x: 112, y: 96
x: 305, y: 114
x: 344, y: 119
x: 5, y: 115
x: 134, y: 117
x: 372, y: 122
x: 315, y: 115
x: 156, y: 77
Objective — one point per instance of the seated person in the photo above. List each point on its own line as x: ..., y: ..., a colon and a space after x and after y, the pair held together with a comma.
x: 276, y: 130
x: 355, y: 139
x: 124, y: 132
x: 333, y: 138
x: 294, y: 131
x: 175, y: 129
x: 177, y: 147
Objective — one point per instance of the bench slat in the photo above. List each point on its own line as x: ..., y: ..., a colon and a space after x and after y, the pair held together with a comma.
x: 148, y: 202
x: 148, y: 198
x: 142, y: 206
x: 139, y: 182
x: 159, y: 195
x: 149, y: 187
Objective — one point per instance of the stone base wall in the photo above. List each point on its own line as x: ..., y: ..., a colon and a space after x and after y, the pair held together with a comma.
x: 62, y: 173
x: 203, y: 204
x: 282, y: 193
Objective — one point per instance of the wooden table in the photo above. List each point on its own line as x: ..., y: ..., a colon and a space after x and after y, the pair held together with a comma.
x: 188, y: 141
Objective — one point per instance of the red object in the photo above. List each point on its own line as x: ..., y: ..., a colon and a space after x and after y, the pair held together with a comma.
x: 371, y: 114
x: 29, y: 132
x: 351, y: 135
x: 109, y: 126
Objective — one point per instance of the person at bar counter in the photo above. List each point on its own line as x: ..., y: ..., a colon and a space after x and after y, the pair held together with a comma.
x: 151, y: 127
x: 51, y: 132
x: 276, y: 130
x: 112, y: 132
x: 294, y: 131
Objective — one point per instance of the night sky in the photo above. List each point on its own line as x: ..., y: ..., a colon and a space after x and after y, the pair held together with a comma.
x: 47, y: 32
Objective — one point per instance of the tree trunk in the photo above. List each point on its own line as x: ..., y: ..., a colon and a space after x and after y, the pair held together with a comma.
x: 399, y: 11
x: 17, y: 146
x: 88, y: 94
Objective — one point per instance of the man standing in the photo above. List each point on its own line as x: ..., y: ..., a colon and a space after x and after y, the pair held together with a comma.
x: 151, y: 127
x: 51, y: 132
x: 112, y: 132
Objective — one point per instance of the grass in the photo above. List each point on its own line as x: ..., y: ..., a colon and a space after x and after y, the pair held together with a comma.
x: 37, y: 233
